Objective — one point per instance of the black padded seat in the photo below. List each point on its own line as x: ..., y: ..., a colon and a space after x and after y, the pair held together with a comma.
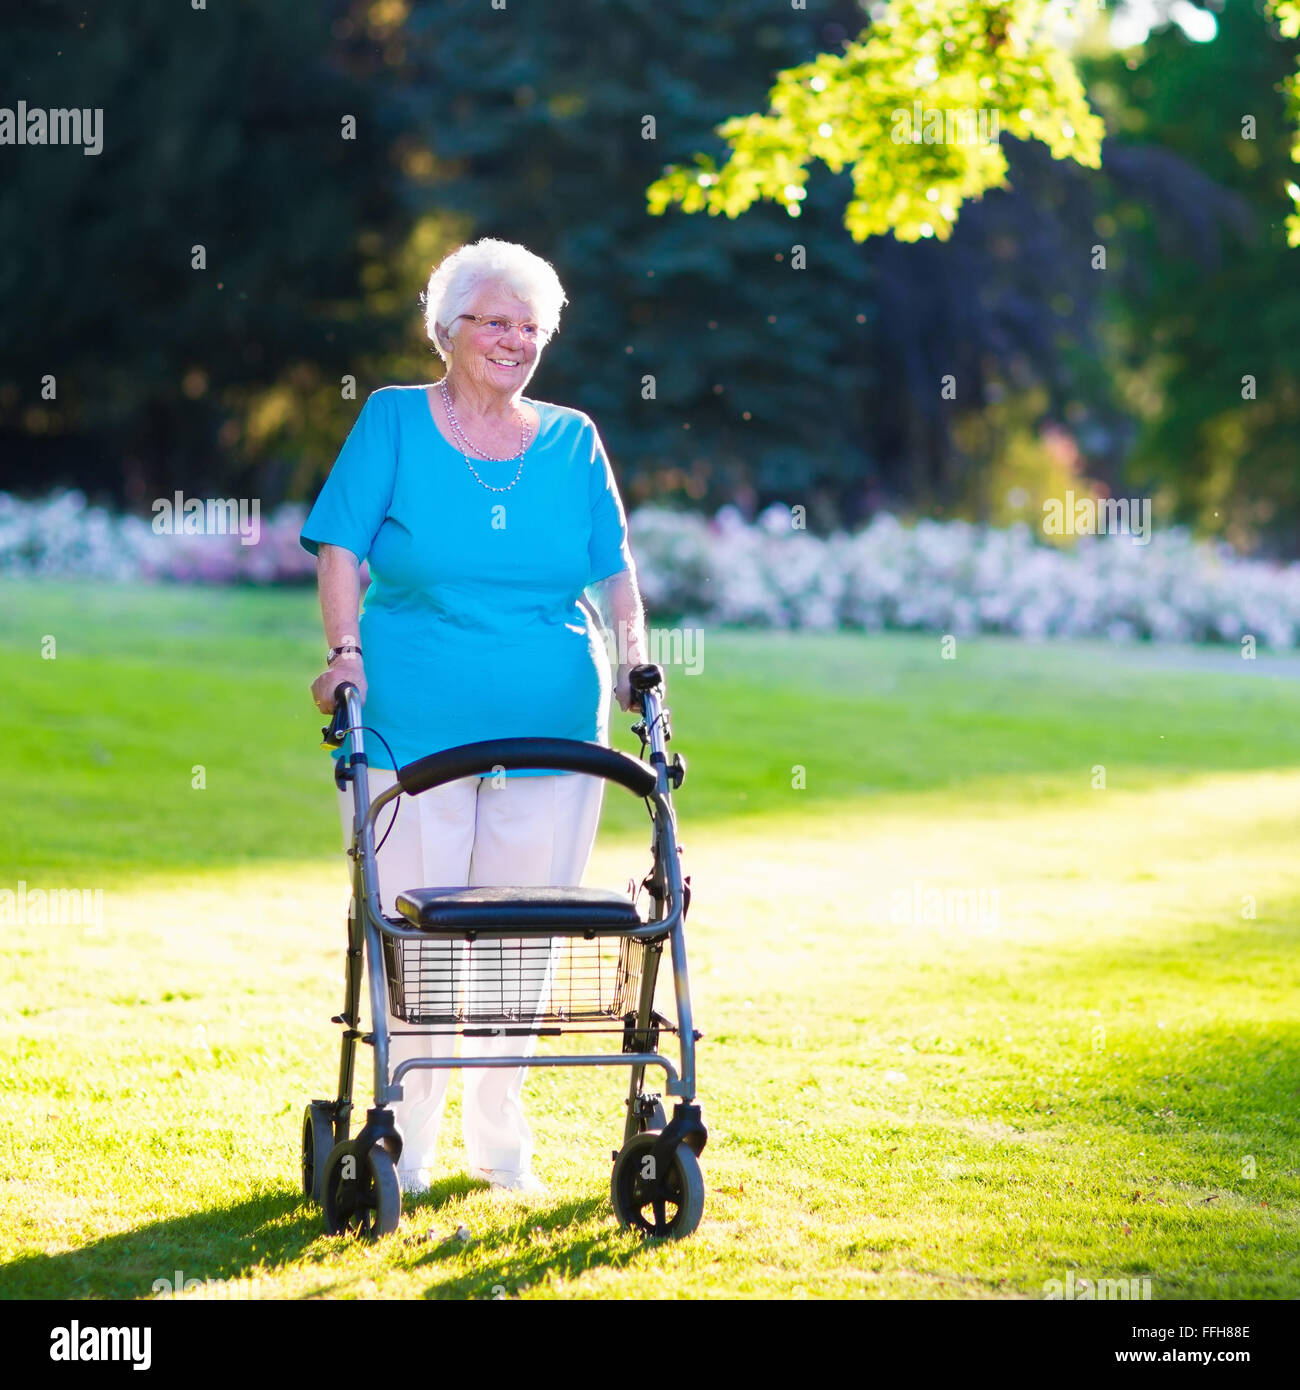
x: 554, y: 911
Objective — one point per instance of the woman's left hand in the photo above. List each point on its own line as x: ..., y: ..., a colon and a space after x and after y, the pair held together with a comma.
x: 623, y: 686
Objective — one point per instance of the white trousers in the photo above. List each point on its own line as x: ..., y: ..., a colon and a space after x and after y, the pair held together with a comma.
x: 521, y: 831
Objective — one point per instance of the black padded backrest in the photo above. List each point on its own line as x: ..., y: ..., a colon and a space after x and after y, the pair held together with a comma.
x: 557, y: 754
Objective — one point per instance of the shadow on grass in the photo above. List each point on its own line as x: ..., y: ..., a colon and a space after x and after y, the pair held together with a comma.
x: 227, y: 1243
x: 527, y: 1243
x: 230, y: 1247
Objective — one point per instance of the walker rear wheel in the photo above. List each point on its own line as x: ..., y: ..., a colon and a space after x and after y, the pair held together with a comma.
x: 668, y: 1212
x: 317, y: 1141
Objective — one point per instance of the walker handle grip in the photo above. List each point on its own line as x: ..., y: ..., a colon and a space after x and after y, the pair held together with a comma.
x: 642, y: 678
x: 332, y: 735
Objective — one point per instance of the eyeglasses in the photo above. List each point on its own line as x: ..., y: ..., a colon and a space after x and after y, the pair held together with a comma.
x: 500, y: 327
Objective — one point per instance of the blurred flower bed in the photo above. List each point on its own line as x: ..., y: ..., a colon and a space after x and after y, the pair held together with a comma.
x: 949, y: 576
x: 62, y: 535
x: 959, y: 578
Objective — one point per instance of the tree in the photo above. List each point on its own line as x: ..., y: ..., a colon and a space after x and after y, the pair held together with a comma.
x: 210, y: 254
x: 754, y: 359
x: 1206, y: 325
x: 1217, y: 440
x: 786, y: 361
x: 890, y: 114
x: 707, y: 355
x: 902, y: 105
x: 1287, y: 14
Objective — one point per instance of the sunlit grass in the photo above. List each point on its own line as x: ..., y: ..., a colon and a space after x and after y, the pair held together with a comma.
x: 903, y: 1101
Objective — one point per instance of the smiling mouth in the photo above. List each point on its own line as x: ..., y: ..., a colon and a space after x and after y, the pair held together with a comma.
x: 502, y: 362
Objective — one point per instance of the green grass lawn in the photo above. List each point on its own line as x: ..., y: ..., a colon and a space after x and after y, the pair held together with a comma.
x: 1099, y: 1072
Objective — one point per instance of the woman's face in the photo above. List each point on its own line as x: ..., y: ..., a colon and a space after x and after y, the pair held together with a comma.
x: 490, y: 356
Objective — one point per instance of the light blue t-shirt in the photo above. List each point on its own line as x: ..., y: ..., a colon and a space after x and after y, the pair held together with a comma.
x: 471, y: 628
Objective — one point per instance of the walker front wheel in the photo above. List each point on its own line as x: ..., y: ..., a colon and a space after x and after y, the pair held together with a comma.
x: 671, y: 1210
x: 362, y: 1194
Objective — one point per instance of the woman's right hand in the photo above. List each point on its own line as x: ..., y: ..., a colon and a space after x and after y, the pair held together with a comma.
x: 345, y: 669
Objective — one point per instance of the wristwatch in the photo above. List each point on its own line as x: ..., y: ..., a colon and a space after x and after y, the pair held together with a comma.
x: 347, y: 645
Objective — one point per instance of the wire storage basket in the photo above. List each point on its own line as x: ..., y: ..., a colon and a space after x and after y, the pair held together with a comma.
x: 515, y: 982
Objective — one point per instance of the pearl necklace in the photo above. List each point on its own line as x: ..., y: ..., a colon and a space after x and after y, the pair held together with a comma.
x: 465, y: 445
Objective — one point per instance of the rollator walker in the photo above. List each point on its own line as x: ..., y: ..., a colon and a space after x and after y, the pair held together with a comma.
x: 516, y: 962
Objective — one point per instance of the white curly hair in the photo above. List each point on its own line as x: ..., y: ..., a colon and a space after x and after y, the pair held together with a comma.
x: 458, y: 277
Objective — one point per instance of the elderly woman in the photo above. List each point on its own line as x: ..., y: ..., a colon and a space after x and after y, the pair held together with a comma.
x: 492, y: 524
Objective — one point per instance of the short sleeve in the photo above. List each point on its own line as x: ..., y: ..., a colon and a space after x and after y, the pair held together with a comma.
x: 355, y: 498
x: 608, y: 551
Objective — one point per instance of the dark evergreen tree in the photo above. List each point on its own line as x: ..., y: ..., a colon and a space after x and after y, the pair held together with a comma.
x: 222, y: 128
